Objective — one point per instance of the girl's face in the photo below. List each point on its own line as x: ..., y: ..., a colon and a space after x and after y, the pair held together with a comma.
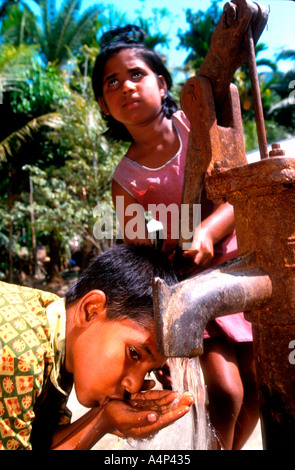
x: 113, y: 357
x: 132, y: 92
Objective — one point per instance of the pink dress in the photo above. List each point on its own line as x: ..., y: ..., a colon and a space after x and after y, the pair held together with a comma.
x: 164, y: 185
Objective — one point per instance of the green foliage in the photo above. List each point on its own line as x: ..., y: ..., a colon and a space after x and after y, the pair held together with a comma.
x: 53, y: 132
x: 65, y: 195
x: 41, y: 90
x: 32, y: 95
x: 12, y: 144
x: 198, y: 38
x: 66, y: 30
x: 16, y: 60
x: 279, y: 115
x: 20, y: 26
x: 5, y: 6
x: 152, y: 27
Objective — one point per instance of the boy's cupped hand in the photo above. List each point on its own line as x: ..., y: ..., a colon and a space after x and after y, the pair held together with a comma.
x: 146, y: 412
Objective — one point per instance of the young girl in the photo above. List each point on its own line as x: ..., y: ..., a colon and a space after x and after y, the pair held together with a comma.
x: 131, y: 85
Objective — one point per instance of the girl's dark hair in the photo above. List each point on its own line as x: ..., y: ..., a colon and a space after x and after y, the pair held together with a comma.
x: 114, y: 41
x: 125, y: 274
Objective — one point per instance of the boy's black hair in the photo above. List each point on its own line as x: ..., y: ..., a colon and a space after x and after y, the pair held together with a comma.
x: 129, y: 37
x: 125, y: 274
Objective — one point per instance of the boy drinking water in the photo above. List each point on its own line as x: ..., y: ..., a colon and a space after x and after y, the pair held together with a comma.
x: 100, y: 338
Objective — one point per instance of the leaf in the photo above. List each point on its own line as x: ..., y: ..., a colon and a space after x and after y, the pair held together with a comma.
x: 287, y: 54
x: 283, y: 104
x: 10, y: 145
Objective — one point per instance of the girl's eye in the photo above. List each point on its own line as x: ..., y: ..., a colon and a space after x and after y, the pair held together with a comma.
x: 113, y: 82
x: 137, y: 74
x: 135, y: 356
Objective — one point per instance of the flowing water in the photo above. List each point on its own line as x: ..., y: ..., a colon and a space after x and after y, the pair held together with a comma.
x: 193, y: 431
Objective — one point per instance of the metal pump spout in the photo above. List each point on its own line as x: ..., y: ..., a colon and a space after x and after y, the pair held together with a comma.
x: 183, y: 311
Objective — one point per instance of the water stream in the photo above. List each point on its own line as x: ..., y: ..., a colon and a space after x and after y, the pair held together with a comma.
x: 193, y: 431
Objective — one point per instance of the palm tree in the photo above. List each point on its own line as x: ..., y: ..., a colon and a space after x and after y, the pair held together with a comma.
x: 9, y: 149
x: 58, y: 33
x: 19, y: 130
x: 152, y: 28
x: 197, y: 40
x: 65, y: 30
x: 284, y: 87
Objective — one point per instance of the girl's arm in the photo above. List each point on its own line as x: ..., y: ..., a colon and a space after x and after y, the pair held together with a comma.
x: 213, y: 229
x: 130, y: 216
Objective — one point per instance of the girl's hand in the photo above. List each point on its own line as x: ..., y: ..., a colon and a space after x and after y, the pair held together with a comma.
x: 202, y: 249
x: 212, y: 230
x: 164, y: 377
x: 146, y: 412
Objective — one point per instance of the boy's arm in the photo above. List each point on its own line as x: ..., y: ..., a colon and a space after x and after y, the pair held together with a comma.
x: 145, y: 414
x: 81, y: 434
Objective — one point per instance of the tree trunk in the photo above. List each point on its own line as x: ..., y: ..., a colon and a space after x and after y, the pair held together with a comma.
x: 32, y: 217
x: 10, y: 247
x: 54, y: 254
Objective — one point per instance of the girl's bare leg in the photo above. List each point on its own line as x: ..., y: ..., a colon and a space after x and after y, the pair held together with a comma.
x: 249, y: 414
x: 224, y: 386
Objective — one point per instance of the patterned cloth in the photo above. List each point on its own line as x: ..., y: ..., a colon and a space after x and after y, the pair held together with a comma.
x: 32, y: 348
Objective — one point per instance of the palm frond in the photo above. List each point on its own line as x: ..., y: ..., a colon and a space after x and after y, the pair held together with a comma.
x: 83, y: 27
x: 65, y: 29
x: 46, y: 14
x: 286, y: 54
x: 283, y: 104
x: 64, y: 19
x: 10, y: 146
x: 4, y: 7
x: 268, y: 63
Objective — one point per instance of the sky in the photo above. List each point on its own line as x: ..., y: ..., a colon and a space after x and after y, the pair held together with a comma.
x: 279, y: 33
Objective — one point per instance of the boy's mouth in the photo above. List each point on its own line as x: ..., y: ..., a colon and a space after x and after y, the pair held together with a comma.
x: 105, y: 401
x: 126, y: 396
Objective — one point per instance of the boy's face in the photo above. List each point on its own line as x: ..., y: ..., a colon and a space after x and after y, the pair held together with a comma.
x: 110, y: 358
